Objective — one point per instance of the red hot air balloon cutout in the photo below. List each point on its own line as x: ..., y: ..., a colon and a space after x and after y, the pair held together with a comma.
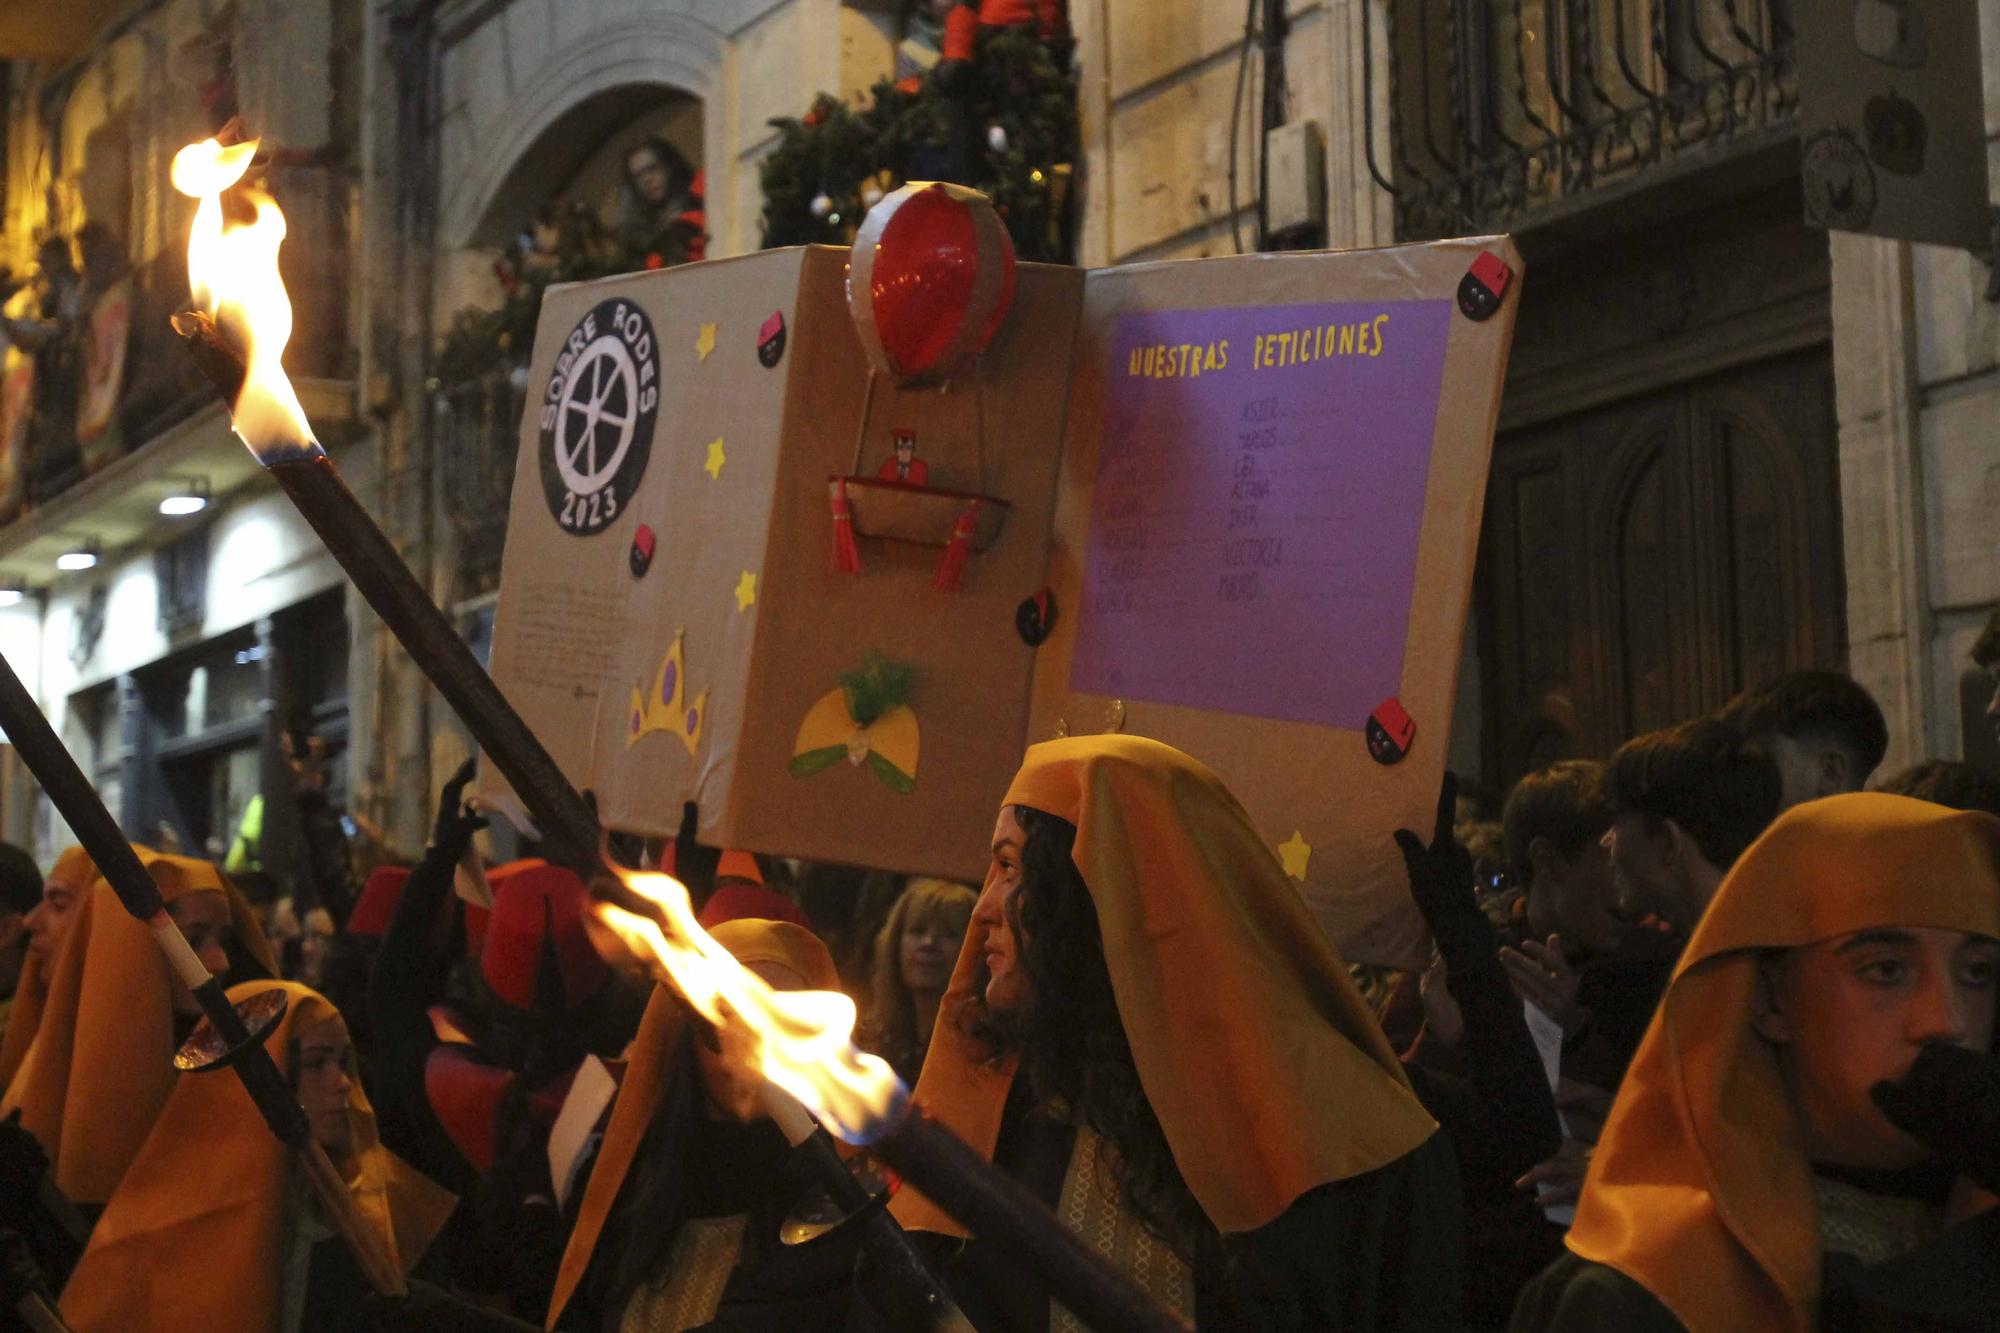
x: 929, y: 284
x: 930, y: 281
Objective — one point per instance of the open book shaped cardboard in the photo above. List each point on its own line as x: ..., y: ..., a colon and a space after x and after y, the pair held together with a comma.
x: 1230, y: 503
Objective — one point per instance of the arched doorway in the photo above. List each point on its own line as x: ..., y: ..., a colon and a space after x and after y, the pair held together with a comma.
x: 611, y: 185
x: 581, y: 157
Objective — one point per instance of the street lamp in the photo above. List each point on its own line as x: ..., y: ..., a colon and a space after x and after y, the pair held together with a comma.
x: 79, y: 558
x: 189, y: 496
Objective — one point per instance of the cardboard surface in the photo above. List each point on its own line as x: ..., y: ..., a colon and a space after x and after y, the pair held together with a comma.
x: 1254, y: 526
x: 1253, y: 483
x: 1314, y: 789
x: 740, y: 574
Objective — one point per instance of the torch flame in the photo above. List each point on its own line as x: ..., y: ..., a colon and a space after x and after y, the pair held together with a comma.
x: 233, y: 274
x: 803, y: 1039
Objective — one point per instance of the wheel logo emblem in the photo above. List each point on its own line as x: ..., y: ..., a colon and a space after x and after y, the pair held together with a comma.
x: 597, y: 416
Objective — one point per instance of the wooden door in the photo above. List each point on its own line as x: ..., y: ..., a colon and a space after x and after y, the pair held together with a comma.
x: 1643, y: 561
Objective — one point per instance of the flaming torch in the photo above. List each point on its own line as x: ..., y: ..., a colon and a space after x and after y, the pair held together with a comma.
x: 802, y: 1044
x: 234, y: 273
x: 802, y: 1041
x: 240, y: 1043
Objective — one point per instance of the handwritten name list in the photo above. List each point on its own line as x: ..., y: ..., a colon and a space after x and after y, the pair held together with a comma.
x: 1258, y: 504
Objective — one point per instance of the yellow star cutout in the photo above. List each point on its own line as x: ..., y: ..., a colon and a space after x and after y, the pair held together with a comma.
x: 746, y: 591
x: 1295, y: 852
x: 704, y: 341
x: 716, y: 458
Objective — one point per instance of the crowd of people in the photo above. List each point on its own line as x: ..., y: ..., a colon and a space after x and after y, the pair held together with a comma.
x: 1704, y: 1042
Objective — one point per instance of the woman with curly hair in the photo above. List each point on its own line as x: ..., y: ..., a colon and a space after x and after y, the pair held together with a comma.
x: 913, y: 956
x: 1147, y: 1028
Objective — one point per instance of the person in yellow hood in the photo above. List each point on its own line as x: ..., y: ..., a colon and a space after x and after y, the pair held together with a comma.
x: 697, y: 1214
x: 214, y: 1230
x: 1148, y: 1029
x: 1809, y: 1134
x: 101, y: 1062
x: 63, y: 891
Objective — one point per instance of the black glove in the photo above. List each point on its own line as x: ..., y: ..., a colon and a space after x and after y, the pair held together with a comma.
x: 429, y: 1309
x: 23, y: 1160
x: 456, y: 824
x: 1950, y: 1103
x: 1441, y: 874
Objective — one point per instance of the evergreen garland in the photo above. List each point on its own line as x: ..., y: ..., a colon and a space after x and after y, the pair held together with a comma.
x: 938, y: 128
x: 482, y: 339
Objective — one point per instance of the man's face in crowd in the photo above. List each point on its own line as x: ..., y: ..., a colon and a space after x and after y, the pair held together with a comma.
x: 204, y: 918
x: 48, y: 924
x: 1575, y: 897
x: 1006, y: 986
x: 1853, y: 1011
x: 325, y: 1079
x: 1642, y: 865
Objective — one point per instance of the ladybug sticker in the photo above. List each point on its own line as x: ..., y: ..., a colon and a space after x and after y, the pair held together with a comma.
x: 1390, y: 731
x: 771, y: 340
x: 641, y: 554
x: 1035, y: 618
x: 1480, y: 290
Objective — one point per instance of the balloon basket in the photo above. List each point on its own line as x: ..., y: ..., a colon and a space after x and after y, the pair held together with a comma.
x: 924, y: 515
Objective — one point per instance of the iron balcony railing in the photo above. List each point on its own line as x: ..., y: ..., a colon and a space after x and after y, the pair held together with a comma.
x: 1503, y: 111
x: 479, y: 422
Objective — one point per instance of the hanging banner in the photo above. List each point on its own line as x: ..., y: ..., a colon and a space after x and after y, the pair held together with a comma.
x: 1892, y: 120
x: 105, y: 337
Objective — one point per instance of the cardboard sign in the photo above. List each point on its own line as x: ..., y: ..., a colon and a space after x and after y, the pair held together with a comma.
x: 1892, y: 121
x: 1260, y: 485
x: 656, y: 405
x: 1374, y: 448
x: 1256, y: 514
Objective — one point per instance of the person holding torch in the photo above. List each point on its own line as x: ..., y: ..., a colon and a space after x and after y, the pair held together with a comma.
x: 1147, y: 1027
x: 698, y: 1213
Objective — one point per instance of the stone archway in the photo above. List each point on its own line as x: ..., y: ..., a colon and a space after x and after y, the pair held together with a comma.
x: 495, y: 118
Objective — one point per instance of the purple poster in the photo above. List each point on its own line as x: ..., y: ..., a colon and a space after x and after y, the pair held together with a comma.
x: 1260, y: 492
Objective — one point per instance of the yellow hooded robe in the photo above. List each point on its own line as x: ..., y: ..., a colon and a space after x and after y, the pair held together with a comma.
x: 101, y: 1064
x: 1700, y: 1190
x: 194, y: 1241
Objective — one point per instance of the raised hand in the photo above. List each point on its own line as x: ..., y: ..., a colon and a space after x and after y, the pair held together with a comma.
x: 1543, y: 977
x: 455, y: 823
x: 1440, y: 874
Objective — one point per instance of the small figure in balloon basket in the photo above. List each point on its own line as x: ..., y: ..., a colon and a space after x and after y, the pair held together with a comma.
x: 904, y: 465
